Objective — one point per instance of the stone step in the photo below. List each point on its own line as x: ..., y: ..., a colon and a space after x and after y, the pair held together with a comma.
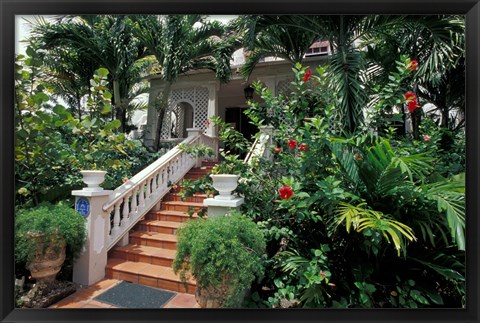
x: 181, y: 206
x: 148, y: 274
x: 196, y: 198
x: 145, y: 254
x: 152, y: 225
x: 173, y: 216
x: 154, y: 239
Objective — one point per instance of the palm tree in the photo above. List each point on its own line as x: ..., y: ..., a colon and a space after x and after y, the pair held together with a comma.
x: 182, y: 43
x: 262, y: 40
x: 96, y: 41
x: 433, y: 40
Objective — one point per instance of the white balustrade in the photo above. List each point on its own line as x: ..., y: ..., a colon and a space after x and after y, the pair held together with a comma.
x: 132, y: 200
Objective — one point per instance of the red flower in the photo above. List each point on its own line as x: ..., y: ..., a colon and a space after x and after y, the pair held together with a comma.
x: 292, y: 144
x: 304, y: 147
x: 322, y: 273
x: 426, y: 138
x: 413, y: 65
x: 411, y: 101
x: 410, y: 96
x: 307, y: 75
x: 286, y: 192
x: 277, y: 150
x: 412, y: 105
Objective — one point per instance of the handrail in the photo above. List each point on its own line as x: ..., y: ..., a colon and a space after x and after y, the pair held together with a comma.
x: 261, y: 145
x: 148, y: 171
x: 132, y: 200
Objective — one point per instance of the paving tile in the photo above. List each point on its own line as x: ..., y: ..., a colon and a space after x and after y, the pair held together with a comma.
x: 183, y: 301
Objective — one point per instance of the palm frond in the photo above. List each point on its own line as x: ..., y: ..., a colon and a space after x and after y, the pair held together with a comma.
x: 359, y: 218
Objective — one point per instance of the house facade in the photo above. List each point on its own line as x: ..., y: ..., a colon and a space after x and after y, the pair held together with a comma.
x: 198, y: 95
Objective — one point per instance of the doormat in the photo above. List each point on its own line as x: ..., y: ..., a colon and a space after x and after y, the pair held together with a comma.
x: 131, y: 295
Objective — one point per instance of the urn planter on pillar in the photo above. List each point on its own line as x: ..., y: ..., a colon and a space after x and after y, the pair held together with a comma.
x: 225, y: 184
x: 93, y: 179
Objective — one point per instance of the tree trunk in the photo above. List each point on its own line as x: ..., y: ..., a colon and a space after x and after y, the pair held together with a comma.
x: 118, y: 104
x: 161, y: 109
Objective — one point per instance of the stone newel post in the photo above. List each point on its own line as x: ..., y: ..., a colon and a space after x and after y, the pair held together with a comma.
x: 192, y: 132
x: 90, y: 266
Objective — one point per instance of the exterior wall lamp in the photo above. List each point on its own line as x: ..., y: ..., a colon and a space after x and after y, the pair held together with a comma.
x: 248, y: 91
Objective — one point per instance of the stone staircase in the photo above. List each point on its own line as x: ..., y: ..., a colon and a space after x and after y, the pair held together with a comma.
x: 148, y: 258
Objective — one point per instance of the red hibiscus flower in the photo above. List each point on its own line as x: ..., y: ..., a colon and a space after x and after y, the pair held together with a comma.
x: 411, y: 101
x: 413, y: 65
x: 292, y: 144
x: 412, y: 105
x: 410, y: 96
x: 277, y: 150
x: 286, y: 192
x: 307, y: 75
x: 304, y: 147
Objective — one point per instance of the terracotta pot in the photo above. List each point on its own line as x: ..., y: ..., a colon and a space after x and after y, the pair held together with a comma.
x: 211, y: 296
x: 48, y: 257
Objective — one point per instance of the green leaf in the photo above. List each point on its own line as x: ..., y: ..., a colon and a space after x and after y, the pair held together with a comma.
x: 102, y: 72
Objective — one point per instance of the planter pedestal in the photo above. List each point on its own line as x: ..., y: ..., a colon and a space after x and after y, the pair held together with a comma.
x: 219, y: 207
x: 225, y: 202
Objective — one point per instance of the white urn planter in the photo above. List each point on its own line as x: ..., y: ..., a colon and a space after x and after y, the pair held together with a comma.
x: 225, y: 184
x: 93, y: 179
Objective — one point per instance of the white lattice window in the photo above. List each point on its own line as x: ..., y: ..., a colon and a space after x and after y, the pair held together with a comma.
x: 197, y: 97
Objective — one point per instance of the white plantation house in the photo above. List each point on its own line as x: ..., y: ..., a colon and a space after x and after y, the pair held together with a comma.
x: 197, y: 96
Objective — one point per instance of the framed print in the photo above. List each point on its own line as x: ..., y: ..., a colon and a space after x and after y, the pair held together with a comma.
x: 340, y: 138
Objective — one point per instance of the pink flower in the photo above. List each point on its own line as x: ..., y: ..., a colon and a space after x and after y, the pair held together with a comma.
x: 332, y: 284
x: 322, y: 274
x: 307, y: 75
x: 304, y: 147
x: 124, y: 179
x: 413, y: 65
x: 292, y: 144
x: 426, y: 138
x: 286, y: 192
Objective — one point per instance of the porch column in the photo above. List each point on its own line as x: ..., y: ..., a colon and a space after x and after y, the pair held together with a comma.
x: 213, y: 88
x: 271, y: 83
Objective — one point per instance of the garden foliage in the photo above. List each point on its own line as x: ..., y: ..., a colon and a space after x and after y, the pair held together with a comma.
x: 376, y: 219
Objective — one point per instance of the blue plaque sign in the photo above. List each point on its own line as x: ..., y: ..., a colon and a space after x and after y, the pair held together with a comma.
x: 83, y: 206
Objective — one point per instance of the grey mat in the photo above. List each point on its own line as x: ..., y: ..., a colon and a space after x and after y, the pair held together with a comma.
x: 130, y: 295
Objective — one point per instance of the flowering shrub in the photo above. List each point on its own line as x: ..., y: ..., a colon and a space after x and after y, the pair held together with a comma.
x: 356, y: 216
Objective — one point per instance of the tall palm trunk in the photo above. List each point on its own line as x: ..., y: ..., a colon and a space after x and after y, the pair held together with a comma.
x: 162, y: 107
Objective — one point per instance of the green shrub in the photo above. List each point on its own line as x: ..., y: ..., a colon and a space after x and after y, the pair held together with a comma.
x: 229, y: 246
x: 49, y: 220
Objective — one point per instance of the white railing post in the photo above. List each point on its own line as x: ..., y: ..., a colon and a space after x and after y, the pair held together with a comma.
x: 193, y: 132
x: 90, y: 266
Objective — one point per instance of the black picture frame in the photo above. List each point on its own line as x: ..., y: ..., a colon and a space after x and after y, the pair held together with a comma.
x: 10, y: 8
